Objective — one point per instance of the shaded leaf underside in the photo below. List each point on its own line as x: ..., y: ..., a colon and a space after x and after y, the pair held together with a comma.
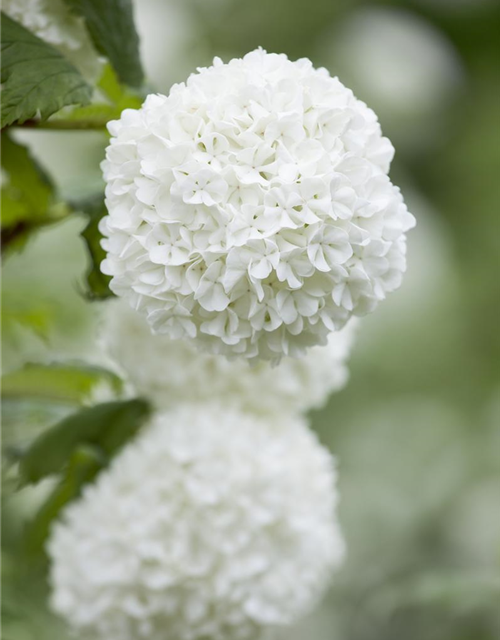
x: 111, y: 27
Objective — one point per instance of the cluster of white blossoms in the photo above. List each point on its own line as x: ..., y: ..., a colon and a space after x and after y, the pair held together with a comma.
x: 250, y: 210
x: 169, y: 371
x: 251, y: 215
x: 212, y: 524
x: 53, y: 22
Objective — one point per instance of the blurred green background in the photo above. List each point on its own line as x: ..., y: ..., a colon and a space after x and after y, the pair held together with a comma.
x: 416, y: 431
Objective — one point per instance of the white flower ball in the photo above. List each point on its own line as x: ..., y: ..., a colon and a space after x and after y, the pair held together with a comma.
x: 168, y: 371
x: 250, y: 210
x: 213, y: 524
x: 53, y: 22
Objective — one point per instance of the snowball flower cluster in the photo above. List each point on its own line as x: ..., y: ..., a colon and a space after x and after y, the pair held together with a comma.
x: 250, y: 210
x: 53, y: 22
x: 213, y: 524
x: 168, y: 371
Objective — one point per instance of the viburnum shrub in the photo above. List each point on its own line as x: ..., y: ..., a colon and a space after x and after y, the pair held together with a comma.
x: 248, y: 216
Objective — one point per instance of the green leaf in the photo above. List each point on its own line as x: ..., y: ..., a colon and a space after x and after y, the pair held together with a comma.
x: 58, y: 382
x: 35, y: 316
x: 109, y: 425
x: 98, y: 114
x: 79, y: 447
x: 16, y: 234
x: 120, y: 95
x: 111, y: 27
x: 35, y: 76
x: 84, y: 464
x: 24, y: 418
x: 26, y: 184
x: 110, y: 85
x: 97, y: 282
x: 28, y: 200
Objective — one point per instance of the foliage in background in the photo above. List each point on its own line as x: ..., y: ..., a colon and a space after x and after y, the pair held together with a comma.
x: 28, y: 199
x: 111, y: 27
x: 70, y: 442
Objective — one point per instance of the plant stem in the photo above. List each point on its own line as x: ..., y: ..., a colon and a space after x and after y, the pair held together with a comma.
x: 65, y: 125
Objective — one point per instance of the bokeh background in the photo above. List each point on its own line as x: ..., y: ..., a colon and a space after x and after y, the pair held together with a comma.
x: 416, y: 432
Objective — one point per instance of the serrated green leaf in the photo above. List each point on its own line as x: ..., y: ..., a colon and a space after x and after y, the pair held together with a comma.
x: 35, y: 77
x: 84, y: 464
x: 58, y: 382
x: 111, y: 27
x: 108, y: 425
x: 98, y: 282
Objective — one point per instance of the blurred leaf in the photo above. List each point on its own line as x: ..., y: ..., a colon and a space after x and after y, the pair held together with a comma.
x: 111, y: 27
x: 110, y: 85
x: 35, y: 77
x: 109, y: 425
x: 24, y: 589
x: 120, y: 95
x: 15, y: 236
x: 23, y: 419
x: 37, y: 318
x: 9, y: 480
x: 454, y: 590
x: 98, y: 282
x: 27, y: 184
x: 58, y: 381
x: 84, y: 464
x: 27, y: 194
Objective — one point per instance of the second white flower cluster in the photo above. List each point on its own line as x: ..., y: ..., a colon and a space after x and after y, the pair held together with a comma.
x: 219, y: 520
